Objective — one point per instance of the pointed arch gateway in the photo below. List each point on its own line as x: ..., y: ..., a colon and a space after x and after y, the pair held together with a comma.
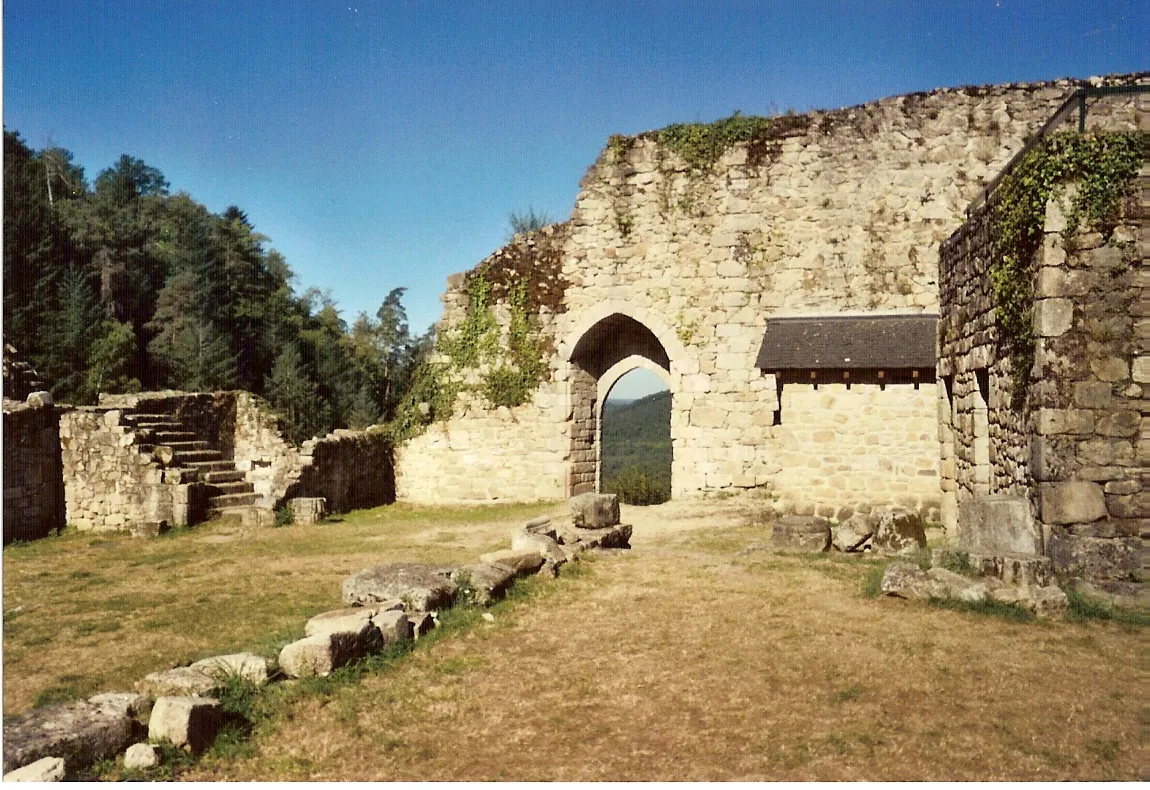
x: 608, y: 343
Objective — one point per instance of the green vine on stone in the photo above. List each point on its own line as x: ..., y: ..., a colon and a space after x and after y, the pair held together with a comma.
x: 1104, y: 165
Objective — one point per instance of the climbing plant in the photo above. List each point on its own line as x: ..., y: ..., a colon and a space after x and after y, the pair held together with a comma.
x: 1104, y: 166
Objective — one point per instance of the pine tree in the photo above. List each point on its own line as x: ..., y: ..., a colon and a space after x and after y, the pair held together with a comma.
x: 293, y: 394
x: 113, y: 361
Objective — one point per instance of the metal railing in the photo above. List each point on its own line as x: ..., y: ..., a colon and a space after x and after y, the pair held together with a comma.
x: 1078, y: 100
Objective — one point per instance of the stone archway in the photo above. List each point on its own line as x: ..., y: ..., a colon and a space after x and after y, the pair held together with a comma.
x: 609, y: 342
x: 606, y: 382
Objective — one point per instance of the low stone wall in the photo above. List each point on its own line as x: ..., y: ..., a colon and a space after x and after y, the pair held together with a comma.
x: 517, y: 455
x: 1072, y: 451
x: 269, y: 461
x: 110, y: 485
x: 33, y: 481
x: 350, y: 469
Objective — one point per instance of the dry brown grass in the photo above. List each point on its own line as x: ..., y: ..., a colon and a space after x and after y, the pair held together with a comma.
x: 86, y: 613
x: 681, y: 660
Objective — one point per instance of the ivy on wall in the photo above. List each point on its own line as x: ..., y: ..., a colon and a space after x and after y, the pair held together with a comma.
x: 525, y: 276
x: 1104, y: 166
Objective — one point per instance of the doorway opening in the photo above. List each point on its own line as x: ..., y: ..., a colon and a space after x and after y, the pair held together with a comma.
x: 635, y: 439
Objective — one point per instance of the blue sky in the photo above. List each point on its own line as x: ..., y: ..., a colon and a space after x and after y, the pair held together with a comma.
x: 382, y: 144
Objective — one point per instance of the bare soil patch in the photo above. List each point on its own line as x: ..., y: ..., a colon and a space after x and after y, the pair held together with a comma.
x: 688, y: 659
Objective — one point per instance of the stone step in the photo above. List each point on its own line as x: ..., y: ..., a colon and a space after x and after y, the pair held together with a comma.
x: 187, y: 446
x: 211, y: 466
x: 155, y: 427
x: 173, y: 437
x: 232, y: 500
x: 190, y: 457
x: 229, y: 476
x: 238, y: 487
x: 250, y: 515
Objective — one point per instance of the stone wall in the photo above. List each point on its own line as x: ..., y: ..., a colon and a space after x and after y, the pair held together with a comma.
x: 1071, y: 450
x: 268, y: 460
x: 350, y: 469
x: 33, y: 483
x: 837, y: 211
x: 110, y: 485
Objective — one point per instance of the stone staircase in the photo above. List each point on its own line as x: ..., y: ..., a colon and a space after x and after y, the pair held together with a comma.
x: 168, y: 439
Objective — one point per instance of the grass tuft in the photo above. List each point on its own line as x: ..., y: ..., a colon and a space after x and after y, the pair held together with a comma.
x: 1006, y: 611
x: 1083, y: 608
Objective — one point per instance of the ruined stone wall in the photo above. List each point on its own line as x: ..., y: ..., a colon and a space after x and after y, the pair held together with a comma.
x: 110, y: 485
x: 33, y: 482
x: 268, y: 460
x: 838, y: 211
x: 1071, y: 450
x: 350, y: 469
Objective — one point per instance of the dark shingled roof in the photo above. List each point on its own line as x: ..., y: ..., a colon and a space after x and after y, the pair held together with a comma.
x: 854, y: 342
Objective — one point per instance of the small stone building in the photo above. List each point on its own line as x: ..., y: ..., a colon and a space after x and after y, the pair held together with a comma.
x: 1044, y: 454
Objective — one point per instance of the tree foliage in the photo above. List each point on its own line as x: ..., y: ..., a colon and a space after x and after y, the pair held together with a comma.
x: 122, y: 286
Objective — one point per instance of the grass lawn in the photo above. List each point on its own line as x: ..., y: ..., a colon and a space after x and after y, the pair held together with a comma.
x: 686, y: 658
x: 85, y: 613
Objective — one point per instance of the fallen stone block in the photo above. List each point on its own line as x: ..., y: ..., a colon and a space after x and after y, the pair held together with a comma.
x: 617, y: 537
x: 80, y: 733
x: 959, y: 587
x: 125, y: 703
x: 351, y: 619
x: 572, y: 551
x: 549, y: 569
x: 48, y: 769
x: 394, y: 626
x: 179, y: 682
x: 547, y: 547
x: 248, y: 666
x: 1047, y: 601
x: 421, y: 587
x: 308, y: 510
x: 594, y: 511
x: 523, y: 562
x: 897, y: 531
x: 852, y: 534
x: 540, y: 526
x: 801, y: 534
x: 485, y: 582
x: 140, y: 756
x: 187, y: 722
x: 905, y: 580
x: 421, y: 623
x: 323, y: 653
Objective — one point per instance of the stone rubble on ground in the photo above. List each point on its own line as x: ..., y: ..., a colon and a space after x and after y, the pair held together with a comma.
x: 187, y: 722
x: 308, y: 510
x: 907, y: 580
x: 140, y: 756
x: 593, y: 511
x: 420, y: 586
x: 897, y: 531
x: 47, y: 769
x: 852, y: 535
x: 185, y: 712
x: 801, y: 534
x: 248, y: 666
x: 80, y: 733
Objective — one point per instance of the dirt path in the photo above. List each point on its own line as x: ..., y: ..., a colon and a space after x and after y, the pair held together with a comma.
x: 687, y: 658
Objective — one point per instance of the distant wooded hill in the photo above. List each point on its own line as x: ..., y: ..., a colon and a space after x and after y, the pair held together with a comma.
x: 636, y: 445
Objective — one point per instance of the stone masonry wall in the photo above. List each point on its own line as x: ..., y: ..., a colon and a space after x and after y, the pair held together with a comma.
x: 350, y: 469
x: 33, y: 483
x: 1073, y: 449
x: 110, y: 485
x: 842, y: 211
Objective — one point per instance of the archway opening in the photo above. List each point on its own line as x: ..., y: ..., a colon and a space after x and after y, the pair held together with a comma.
x: 635, y: 439
x: 602, y: 355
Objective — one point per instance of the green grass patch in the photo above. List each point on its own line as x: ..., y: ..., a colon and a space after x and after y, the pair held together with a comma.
x: 1006, y: 611
x: 1083, y: 608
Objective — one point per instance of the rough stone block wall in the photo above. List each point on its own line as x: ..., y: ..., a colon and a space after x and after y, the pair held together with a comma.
x: 269, y: 461
x: 1075, y: 449
x: 842, y: 211
x: 109, y: 484
x: 350, y: 469
x: 828, y: 460
x: 33, y: 477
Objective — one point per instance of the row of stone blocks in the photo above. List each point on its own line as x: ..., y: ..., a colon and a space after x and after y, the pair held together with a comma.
x: 388, y: 605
